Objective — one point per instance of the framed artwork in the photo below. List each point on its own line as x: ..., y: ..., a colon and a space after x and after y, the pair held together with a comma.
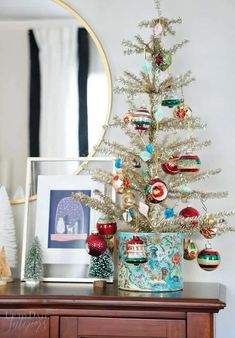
x: 61, y: 222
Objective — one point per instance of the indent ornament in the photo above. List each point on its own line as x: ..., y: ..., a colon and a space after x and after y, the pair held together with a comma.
x: 182, y: 111
x: 156, y: 191
x: 171, y: 167
x: 163, y: 59
x: 190, y: 250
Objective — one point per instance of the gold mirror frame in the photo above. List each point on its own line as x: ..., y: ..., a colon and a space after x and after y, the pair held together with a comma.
x: 103, y: 56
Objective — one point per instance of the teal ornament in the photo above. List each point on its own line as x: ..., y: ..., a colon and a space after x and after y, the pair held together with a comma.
x: 127, y: 216
x: 186, y: 189
x: 146, y: 67
x: 169, y: 213
x: 145, y: 156
x: 149, y: 148
x: 158, y: 115
x: 118, y: 163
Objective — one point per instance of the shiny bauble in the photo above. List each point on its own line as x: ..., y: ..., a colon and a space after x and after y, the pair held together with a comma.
x: 170, y: 168
x: 128, y: 116
x: 106, y: 226
x: 135, y: 253
x: 189, y: 163
x: 163, y: 59
x: 96, y: 244
x: 190, y: 212
x: 120, y: 183
x: 141, y: 119
x: 208, y: 259
x: 170, y: 99
x: 190, y: 250
x: 156, y: 191
x: 129, y: 200
x: 208, y: 233
x: 182, y: 111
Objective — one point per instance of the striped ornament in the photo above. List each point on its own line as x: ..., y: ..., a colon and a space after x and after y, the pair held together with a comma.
x: 208, y: 259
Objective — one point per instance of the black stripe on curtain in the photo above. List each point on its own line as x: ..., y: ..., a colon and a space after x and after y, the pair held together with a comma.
x: 83, y: 59
x: 34, y: 101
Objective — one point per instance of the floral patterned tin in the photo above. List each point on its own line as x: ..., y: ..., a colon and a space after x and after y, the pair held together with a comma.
x: 163, y: 269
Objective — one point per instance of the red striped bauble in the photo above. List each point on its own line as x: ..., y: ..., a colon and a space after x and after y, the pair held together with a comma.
x: 208, y: 259
x: 189, y: 163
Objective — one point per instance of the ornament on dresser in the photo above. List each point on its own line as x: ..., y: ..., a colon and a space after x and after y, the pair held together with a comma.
x: 96, y: 244
x: 33, y: 270
x: 157, y: 191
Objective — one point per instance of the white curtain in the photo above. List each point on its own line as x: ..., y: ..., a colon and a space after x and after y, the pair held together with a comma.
x: 59, y: 91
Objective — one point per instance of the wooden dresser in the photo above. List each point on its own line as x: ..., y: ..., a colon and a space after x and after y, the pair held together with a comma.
x: 78, y: 311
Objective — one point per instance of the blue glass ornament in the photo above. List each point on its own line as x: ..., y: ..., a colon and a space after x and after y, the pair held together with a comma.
x: 169, y: 213
x: 149, y: 148
x: 118, y: 163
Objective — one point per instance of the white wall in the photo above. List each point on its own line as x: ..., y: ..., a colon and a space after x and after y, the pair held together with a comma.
x: 210, y: 26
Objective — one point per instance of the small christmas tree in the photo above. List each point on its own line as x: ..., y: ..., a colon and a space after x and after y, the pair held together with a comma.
x: 33, y: 263
x: 101, y: 267
x: 156, y: 170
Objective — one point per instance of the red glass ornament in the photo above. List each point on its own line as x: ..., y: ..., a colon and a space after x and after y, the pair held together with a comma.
x: 170, y: 168
x: 190, y: 212
x: 106, y: 226
x: 96, y: 244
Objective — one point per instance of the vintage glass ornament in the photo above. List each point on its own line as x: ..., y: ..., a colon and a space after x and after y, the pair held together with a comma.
x: 156, y: 191
x: 128, y: 117
x: 208, y: 259
x: 142, y: 119
x: 189, y: 163
x: 163, y: 59
x: 135, y: 251
x: 182, y: 111
x: 120, y: 183
x: 95, y: 244
x: 170, y: 99
x: 106, y: 226
x: 129, y: 200
x: 171, y: 168
x: 190, y: 212
x: 190, y: 250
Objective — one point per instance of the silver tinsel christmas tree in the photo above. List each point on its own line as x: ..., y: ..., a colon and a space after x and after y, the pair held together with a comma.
x: 157, y: 170
x: 33, y: 270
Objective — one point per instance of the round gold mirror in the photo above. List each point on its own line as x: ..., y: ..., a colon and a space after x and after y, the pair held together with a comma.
x: 15, y: 68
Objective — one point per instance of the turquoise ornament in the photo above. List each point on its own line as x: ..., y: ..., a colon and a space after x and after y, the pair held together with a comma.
x: 149, y: 148
x: 118, y: 163
x: 169, y: 213
x: 146, y: 67
x: 158, y: 115
x: 145, y: 156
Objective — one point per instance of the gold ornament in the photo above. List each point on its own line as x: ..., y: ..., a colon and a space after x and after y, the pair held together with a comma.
x: 190, y: 250
x: 208, y: 231
x: 129, y: 200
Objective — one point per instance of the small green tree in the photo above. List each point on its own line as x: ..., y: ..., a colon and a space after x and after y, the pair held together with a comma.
x: 33, y: 262
x: 102, y: 266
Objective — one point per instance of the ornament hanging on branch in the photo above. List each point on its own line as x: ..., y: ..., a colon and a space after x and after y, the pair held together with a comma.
x: 208, y: 231
x: 95, y: 244
x: 163, y: 59
x: 190, y: 212
x: 208, y: 259
x: 170, y: 99
x: 156, y: 191
x: 141, y: 119
x: 190, y: 250
x: 106, y: 226
x: 171, y: 167
x: 120, y: 183
x: 127, y: 118
x: 182, y: 111
x: 189, y: 163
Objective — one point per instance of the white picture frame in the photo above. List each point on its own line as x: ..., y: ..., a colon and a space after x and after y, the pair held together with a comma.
x: 61, y: 223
